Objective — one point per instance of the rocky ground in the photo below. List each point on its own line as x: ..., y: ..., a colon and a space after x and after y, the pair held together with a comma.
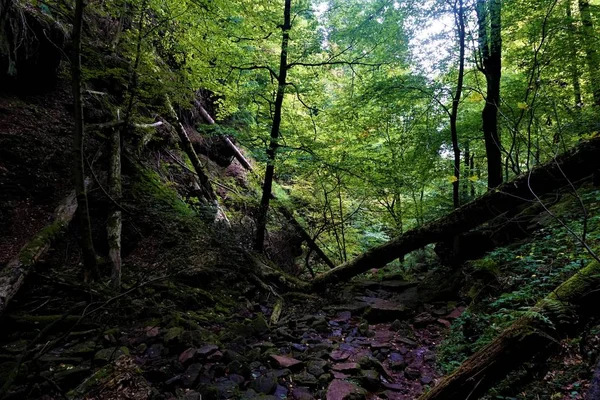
x: 361, y: 343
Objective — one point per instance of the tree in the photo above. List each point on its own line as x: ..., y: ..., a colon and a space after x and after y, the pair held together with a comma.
x: 459, y: 17
x: 87, y: 244
x: 590, y: 47
x: 490, y: 64
x: 261, y: 222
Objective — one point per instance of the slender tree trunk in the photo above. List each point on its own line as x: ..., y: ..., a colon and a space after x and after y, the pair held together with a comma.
x: 261, y: 223
x: 87, y: 244
x: 115, y: 218
x: 572, y: 29
x: 460, y: 26
x: 590, y: 46
x: 472, y: 168
x: 524, y: 339
x: 490, y: 47
x: 467, y: 173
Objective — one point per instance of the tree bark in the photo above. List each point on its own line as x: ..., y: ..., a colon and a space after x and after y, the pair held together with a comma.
x: 305, y: 236
x: 13, y: 275
x: 87, y: 244
x: 590, y: 47
x: 550, y: 319
x: 490, y: 47
x: 261, y: 223
x: 576, y: 164
x: 207, y: 191
x: 115, y: 218
x: 460, y: 26
x: 572, y: 31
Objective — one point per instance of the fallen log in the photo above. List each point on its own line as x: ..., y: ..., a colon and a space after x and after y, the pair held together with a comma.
x: 207, y: 191
x: 535, y: 333
x: 575, y: 164
x: 13, y: 275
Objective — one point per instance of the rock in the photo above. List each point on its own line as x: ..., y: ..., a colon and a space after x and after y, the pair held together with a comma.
x: 457, y: 312
x: 264, y: 384
x: 396, y: 361
x: 216, y: 356
x: 192, y: 395
x: 189, y: 378
x: 319, y: 347
x: 412, y: 372
x: 369, y: 379
x: 305, y: 379
x: 302, y: 393
x: 316, y: 367
x: 173, y: 333
x: 238, y: 379
x: 81, y: 349
x: 187, y: 356
x: 343, y: 316
x: 281, y: 392
x: 239, y: 368
x: 320, y: 325
x: 381, y: 310
x: 71, y: 377
x: 342, y: 390
x: 423, y: 319
x: 396, y: 325
x: 406, y: 341
x: 395, y: 387
x: 249, y: 394
x: 444, y: 322
x: 226, y: 389
x: 141, y: 348
x: 155, y: 351
x: 426, y: 380
x: 286, y: 362
x: 339, y: 375
x: 340, y: 355
x: 281, y: 373
x: 207, y: 350
x: 104, y: 356
x: 324, y: 379
x: 363, y: 329
x: 347, y: 368
x: 380, y: 346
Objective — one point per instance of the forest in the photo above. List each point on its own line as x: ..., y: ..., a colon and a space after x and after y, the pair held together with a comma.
x: 303, y: 199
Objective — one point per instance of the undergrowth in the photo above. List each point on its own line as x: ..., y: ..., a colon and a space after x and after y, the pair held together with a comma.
x: 508, y: 281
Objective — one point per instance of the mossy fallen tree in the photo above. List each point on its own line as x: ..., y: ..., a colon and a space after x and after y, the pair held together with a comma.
x: 533, y: 334
x: 580, y: 162
x: 13, y: 275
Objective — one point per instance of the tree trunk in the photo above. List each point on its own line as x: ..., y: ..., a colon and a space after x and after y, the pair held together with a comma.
x: 460, y: 26
x: 551, y: 319
x: 207, y: 191
x: 590, y: 47
x: 15, y: 272
x: 578, y: 163
x: 261, y: 223
x: 490, y: 47
x: 115, y: 219
x: 572, y: 33
x: 305, y: 236
x: 87, y: 244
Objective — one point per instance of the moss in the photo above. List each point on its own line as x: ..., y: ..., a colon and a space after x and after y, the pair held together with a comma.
x: 99, y: 376
x: 149, y: 188
x: 43, y: 238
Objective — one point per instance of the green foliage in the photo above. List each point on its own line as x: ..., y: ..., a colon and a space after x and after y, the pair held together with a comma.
x: 525, y: 273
